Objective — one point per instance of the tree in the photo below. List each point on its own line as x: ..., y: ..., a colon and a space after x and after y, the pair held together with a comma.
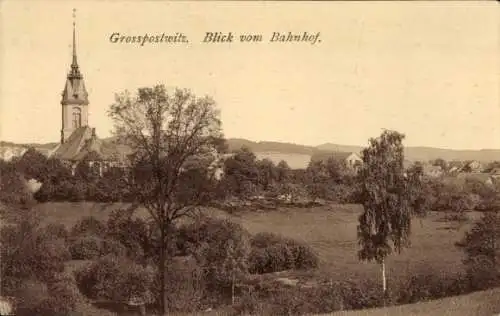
x: 33, y: 164
x: 492, y: 165
x: 315, y: 176
x: 326, y: 177
x: 439, y: 162
x: 14, y: 191
x: 267, y: 173
x: 482, y: 249
x: 385, y: 224
x: 283, y: 172
x: 241, y: 173
x: 165, y: 131
x: 222, y: 248
x: 456, y: 201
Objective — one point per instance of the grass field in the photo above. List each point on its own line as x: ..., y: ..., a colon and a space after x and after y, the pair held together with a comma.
x: 484, y: 303
x: 330, y: 230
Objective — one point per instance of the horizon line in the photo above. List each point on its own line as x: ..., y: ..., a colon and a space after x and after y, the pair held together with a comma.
x: 285, y: 142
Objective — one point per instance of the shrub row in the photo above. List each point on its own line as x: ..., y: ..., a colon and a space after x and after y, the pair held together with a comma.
x: 91, y: 247
x: 272, y: 253
x: 269, y: 299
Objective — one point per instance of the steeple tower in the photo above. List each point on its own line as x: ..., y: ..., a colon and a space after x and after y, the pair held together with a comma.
x: 74, y: 96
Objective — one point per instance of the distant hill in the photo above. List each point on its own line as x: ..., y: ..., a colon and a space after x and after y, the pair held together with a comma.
x: 411, y: 153
x: 298, y: 155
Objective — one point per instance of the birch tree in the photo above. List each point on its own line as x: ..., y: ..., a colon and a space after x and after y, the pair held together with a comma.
x: 385, y: 224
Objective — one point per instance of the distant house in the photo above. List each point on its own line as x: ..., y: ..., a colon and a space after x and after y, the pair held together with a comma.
x: 495, y: 173
x: 8, y: 152
x: 482, y: 177
x: 7, y: 305
x: 472, y: 166
x: 407, y: 163
x: 432, y: 171
x: 454, y: 170
x: 351, y: 159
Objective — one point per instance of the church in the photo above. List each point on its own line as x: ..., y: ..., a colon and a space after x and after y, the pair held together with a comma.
x: 78, y: 140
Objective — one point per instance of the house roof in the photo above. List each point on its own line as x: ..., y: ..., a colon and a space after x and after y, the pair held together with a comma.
x: 495, y: 171
x: 337, y: 155
x: 478, y: 176
x: 430, y: 168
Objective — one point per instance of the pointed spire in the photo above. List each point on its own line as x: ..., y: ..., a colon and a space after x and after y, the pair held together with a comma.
x: 74, y: 90
x: 74, y: 38
x: 75, y: 71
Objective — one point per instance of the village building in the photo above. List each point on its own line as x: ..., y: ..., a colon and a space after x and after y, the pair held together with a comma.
x: 485, y: 178
x: 472, y: 166
x: 349, y: 159
x: 432, y: 171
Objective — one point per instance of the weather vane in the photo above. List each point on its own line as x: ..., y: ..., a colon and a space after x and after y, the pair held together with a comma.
x: 74, y: 16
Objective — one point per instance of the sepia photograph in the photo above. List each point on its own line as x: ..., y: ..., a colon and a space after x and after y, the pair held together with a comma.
x: 249, y: 158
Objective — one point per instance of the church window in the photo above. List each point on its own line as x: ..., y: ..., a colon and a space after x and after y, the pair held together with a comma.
x: 77, y: 117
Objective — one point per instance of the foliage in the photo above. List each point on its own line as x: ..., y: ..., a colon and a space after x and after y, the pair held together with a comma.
x: 33, y: 259
x: 59, y: 297
x: 13, y: 189
x: 221, y: 248
x: 331, y: 180
x: 115, y: 278
x: 186, y: 287
x: 273, y: 253
x: 243, y: 173
x: 33, y: 164
x: 134, y: 233
x: 439, y: 162
x: 89, y: 226
x: 175, y: 139
x: 112, y: 247
x: 29, y: 251
x: 482, y: 249
x: 85, y: 248
x: 387, y: 205
x: 456, y: 200
x: 57, y: 230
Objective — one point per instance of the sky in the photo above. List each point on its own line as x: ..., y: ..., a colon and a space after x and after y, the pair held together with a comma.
x: 430, y: 70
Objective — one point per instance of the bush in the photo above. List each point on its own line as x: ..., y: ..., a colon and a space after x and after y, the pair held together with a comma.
x: 186, y: 286
x: 426, y: 286
x: 221, y: 248
x: 115, y: 278
x: 273, y: 253
x: 57, y: 231
x: 132, y: 233
x: 112, y: 247
x: 64, y: 297
x: 89, y: 226
x: 57, y: 297
x: 86, y: 248
x: 480, y: 246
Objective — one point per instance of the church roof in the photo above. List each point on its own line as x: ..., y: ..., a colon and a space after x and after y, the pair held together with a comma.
x: 84, y: 144
x: 72, y: 146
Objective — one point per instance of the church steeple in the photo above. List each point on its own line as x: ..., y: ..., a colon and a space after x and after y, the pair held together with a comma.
x: 74, y: 96
x: 75, y: 70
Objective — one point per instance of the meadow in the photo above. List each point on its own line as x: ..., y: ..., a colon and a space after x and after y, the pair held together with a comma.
x: 330, y: 230
x: 479, y: 303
